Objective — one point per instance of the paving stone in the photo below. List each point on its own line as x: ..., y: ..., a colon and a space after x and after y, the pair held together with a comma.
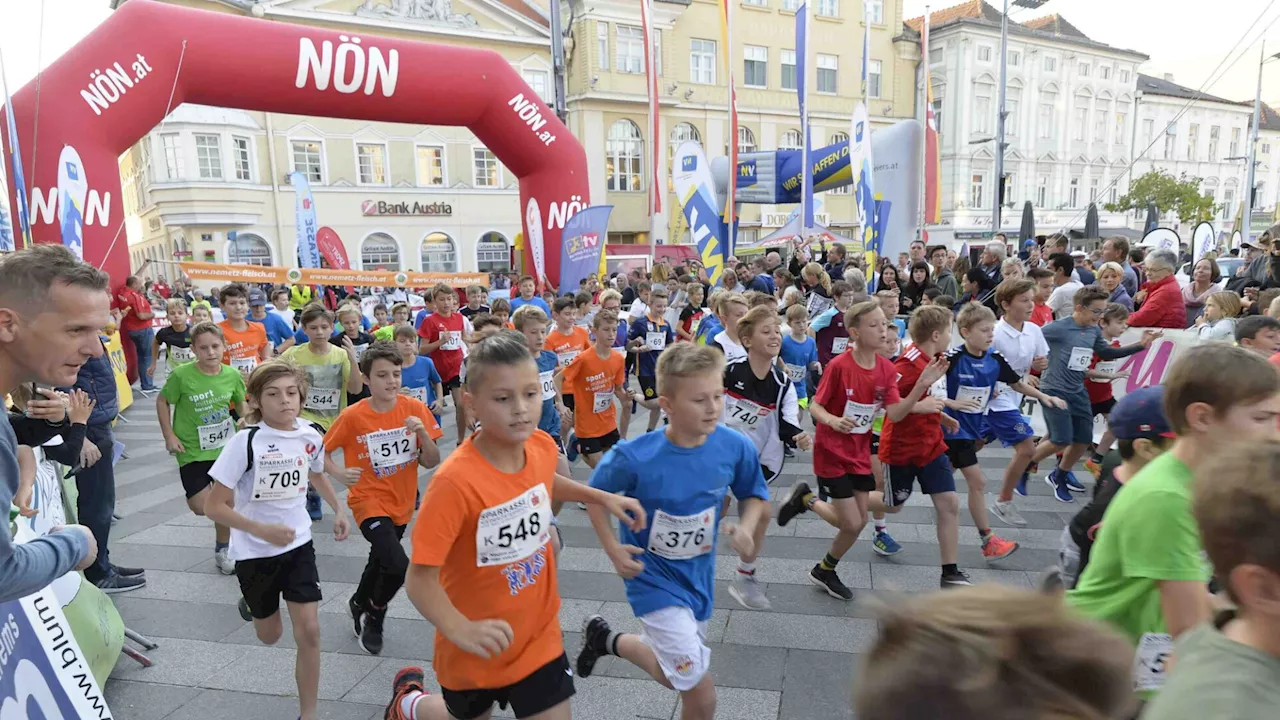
x: 146, y: 700
x: 817, y: 685
x: 269, y: 671
x: 743, y: 704
x: 778, y: 629
x: 375, y: 688
x: 158, y: 557
x: 170, y: 618
x: 608, y: 698
x: 335, y: 632
x: 179, y: 661
x: 187, y: 586
x: 410, y: 640
x: 915, y: 578
x: 227, y: 705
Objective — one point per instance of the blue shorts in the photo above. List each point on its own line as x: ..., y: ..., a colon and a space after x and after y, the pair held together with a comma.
x: 935, y: 477
x: 1008, y: 426
x: 1066, y: 427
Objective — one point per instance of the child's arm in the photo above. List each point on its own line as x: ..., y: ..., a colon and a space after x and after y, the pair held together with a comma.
x: 622, y: 556
x: 1035, y: 394
x: 155, y: 356
x: 624, y: 422
x: 355, y: 380
x: 485, y: 638
x: 26, y: 481
x: 438, y: 388
x: 347, y: 476
x: 837, y: 423
x: 626, y: 509
x: 171, y: 441
x: 428, y: 453
x: 341, y: 526
x: 931, y: 374
x: 220, y: 508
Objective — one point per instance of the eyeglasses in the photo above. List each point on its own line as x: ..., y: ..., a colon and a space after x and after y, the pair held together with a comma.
x: 1097, y: 311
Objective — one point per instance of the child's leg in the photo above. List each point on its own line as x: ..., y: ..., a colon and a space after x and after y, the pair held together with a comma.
x: 221, y: 533
x: 977, y: 497
x: 306, y: 635
x: 946, y: 506
x: 461, y: 413
x: 757, y: 533
x: 1022, y: 454
x: 1071, y: 455
x: 851, y: 514
x: 269, y: 629
x: 877, y: 472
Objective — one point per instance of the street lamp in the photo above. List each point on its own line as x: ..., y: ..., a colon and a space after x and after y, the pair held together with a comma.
x: 1000, y: 113
x: 1246, y: 215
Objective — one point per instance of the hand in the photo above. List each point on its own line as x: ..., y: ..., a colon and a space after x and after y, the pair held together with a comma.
x: 1032, y: 380
x: 1200, y: 319
x: 740, y: 538
x: 278, y: 535
x: 969, y: 405
x: 485, y: 638
x: 949, y: 423
x: 1150, y: 336
x: 151, y: 370
x: 23, y: 498
x: 1120, y: 375
x: 1054, y: 402
x: 174, y: 445
x: 241, y: 423
x: 1142, y: 295
x: 89, y: 454
x: 566, y: 415
x: 434, y: 407
x: 1040, y: 363
x: 625, y: 562
x: 50, y: 406
x: 413, y: 425
x: 80, y: 406
x: 350, y: 476
x: 628, y: 510
x: 929, y: 404
x: 341, y: 527
x: 803, y: 441
x: 90, y: 556
x: 348, y: 346
x: 934, y: 371
x: 841, y: 424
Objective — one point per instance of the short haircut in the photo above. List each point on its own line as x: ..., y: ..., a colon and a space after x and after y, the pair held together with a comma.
x: 347, y: 311
x: 267, y: 373
x: 234, y: 290
x: 755, y: 317
x: 441, y: 289
x: 27, y: 275
x: 1009, y: 290
x: 401, y: 306
x: 974, y: 314
x: 760, y: 299
x: 930, y: 252
x: 526, y: 314
x: 1086, y: 295
x: 405, y: 332
x: 581, y: 299
x: 1265, y: 298
x: 604, y: 317
x: 1061, y: 261
x: 853, y: 316
x: 997, y: 248
x: 643, y: 286
x: 945, y: 301
x: 278, y: 292
x: 796, y: 314
x: 734, y: 298
x: 480, y: 321
x: 206, y: 328
x: 694, y: 287
x: 312, y: 313
x: 1163, y: 259
x: 1115, y: 312
x: 380, y: 306
x: 380, y: 350
x: 476, y: 290
x: 839, y: 288
x: 659, y: 293
x: 1112, y: 267
x: 1197, y: 377
x: 173, y: 305
x: 1120, y: 243
x: 560, y: 305
x: 1136, y: 255
x: 610, y: 294
x: 1039, y: 274
x: 713, y: 298
x: 927, y: 320
x: 500, y: 306
x: 931, y: 293
x: 686, y: 360
x: 1237, y: 506
x: 504, y: 347
x: 1229, y: 302
x: 526, y: 278
x: 1247, y: 328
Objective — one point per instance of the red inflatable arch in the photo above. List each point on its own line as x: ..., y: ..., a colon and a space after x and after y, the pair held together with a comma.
x: 113, y: 87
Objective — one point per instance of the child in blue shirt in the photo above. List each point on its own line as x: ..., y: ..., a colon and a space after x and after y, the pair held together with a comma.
x: 681, y: 476
x: 799, y: 352
x: 531, y: 322
x: 418, y: 375
x: 648, y: 337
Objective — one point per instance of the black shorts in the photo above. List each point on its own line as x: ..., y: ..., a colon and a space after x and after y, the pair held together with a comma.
x: 1103, y: 407
x: 649, y: 386
x: 844, y: 486
x: 962, y: 453
x: 195, y: 477
x: 567, y: 399
x: 545, y: 688
x: 453, y: 383
x: 292, y: 575
x: 596, y: 445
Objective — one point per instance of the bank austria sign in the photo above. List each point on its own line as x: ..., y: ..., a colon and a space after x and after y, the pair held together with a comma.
x: 380, y: 208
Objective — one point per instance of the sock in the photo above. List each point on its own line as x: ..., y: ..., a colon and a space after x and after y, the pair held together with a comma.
x: 611, y: 643
x: 808, y: 499
x: 1097, y: 457
x: 881, y: 525
x: 746, y: 568
x: 829, y: 562
x: 219, y: 546
x: 409, y: 703
x: 950, y: 569
x: 984, y: 534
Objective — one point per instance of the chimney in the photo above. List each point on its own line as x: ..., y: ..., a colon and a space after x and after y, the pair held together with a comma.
x: 1168, y: 77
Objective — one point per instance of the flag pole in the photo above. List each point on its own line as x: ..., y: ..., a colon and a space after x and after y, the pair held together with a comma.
x: 655, y: 201
x: 925, y: 79
x: 729, y: 216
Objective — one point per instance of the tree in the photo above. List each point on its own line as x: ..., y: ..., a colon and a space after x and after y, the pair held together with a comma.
x: 1181, y: 195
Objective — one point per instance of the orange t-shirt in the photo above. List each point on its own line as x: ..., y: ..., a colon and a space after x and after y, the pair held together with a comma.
x: 243, y: 347
x: 489, y: 533
x: 388, y: 482
x: 567, y: 347
x: 589, y: 377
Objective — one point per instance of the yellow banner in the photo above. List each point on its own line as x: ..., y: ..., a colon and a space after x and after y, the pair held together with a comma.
x: 327, y: 276
x: 124, y: 393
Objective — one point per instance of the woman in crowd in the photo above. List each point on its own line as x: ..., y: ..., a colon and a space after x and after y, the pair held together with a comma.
x: 917, y: 283
x: 888, y: 278
x: 1110, y: 277
x: 1204, y: 281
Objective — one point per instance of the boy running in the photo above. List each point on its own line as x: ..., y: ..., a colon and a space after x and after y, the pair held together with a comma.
x: 595, y: 378
x: 565, y: 339
x: 1098, y: 381
x: 418, y: 376
x: 475, y: 302
x: 649, y: 336
x: 531, y: 323
x: 828, y: 328
x: 1041, y: 313
x: 732, y: 307
x: 799, y: 353
x: 682, y: 477
x: 1259, y: 334
x: 176, y: 337
x: 400, y: 315
x: 441, y: 337
x: 246, y: 342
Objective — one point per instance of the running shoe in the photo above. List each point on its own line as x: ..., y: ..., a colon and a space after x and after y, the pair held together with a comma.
x: 115, y: 583
x: 955, y: 579
x: 1051, y: 581
x: 408, y: 680
x: 793, y: 504
x: 997, y: 548
x: 128, y: 571
x: 595, y: 634
x: 1073, y: 484
x: 571, y: 447
x: 1007, y: 513
x: 225, y: 564
x: 1059, y: 485
x: 357, y: 613
x: 371, y: 634
x: 828, y: 580
x: 243, y: 607
x: 787, y: 452
x: 748, y: 591
x: 314, y: 509
x: 1021, y: 487
x: 885, y: 545
x: 1094, y: 467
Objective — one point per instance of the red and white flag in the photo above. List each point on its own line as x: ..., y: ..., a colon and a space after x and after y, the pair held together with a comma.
x: 651, y: 82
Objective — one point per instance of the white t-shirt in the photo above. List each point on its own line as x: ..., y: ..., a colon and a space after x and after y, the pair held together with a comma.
x: 1062, y: 300
x: 1018, y: 349
x: 733, y: 351
x: 287, y: 314
x: 272, y: 450
x: 639, y: 308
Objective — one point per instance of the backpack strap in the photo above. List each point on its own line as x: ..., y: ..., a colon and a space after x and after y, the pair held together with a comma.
x: 248, y: 446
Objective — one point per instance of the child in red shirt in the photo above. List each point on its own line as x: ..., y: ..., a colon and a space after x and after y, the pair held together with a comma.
x: 1098, y: 379
x: 441, y: 338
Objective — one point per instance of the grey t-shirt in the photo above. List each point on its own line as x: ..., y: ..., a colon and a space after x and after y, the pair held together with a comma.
x: 1216, y: 677
x: 1071, y: 350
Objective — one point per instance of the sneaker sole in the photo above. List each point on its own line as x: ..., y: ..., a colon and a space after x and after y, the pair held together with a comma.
x: 989, y: 558
x: 118, y: 590
x: 884, y: 552
x: 742, y: 600
x: 1007, y: 521
x: 828, y: 590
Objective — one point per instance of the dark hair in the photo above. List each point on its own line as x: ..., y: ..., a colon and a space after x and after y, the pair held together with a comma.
x: 564, y: 303
x: 1137, y: 255
x: 1086, y: 295
x: 839, y: 288
x: 1010, y: 289
x: 314, y: 312
x: 480, y: 321
x: 1247, y: 328
x: 932, y: 292
x: 380, y: 350
x: 27, y: 275
x: 1039, y: 273
x: 234, y: 290
x: 977, y: 276
x: 505, y: 347
x: 930, y: 251
x: 1061, y: 261
x: 582, y: 298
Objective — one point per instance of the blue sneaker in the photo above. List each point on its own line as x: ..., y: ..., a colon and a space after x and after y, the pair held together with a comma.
x: 1021, y: 487
x: 571, y: 446
x: 313, y: 505
x: 1056, y: 481
x: 885, y: 545
x: 1072, y: 483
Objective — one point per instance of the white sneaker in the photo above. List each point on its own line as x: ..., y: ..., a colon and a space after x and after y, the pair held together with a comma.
x: 225, y: 564
x: 1007, y: 513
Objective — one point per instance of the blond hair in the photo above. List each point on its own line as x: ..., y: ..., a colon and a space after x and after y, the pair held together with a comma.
x: 927, y: 320
x: 974, y: 314
x: 610, y: 294
x: 207, y: 328
x: 174, y: 304
x: 853, y: 316
x: 815, y: 270
x: 526, y: 314
x: 755, y: 318
x: 1227, y: 302
x: 686, y: 360
x: 1110, y: 267
x: 733, y: 298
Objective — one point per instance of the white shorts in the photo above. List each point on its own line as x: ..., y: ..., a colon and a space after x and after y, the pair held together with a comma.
x: 680, y: 644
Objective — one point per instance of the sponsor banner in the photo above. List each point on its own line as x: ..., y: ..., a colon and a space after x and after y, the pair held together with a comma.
x: 583, y: 246
x: 216, y: 272
x: 305, y: 221
x: 691, y: 175
x: 380, y: 208
x: 1161, y: 239
x: 73, y: 187
x: 1203, y: 241
x: 332, y: 250
x: 533, y: 222
x: 115, y: 351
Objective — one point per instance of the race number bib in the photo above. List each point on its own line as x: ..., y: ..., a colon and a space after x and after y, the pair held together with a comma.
x: 360, y: 351
x: 743, y: 414
x: 655, y: 340
x: 215, y: 435
x: 965, y: 393
x: 515, y: 529
x: 322, y: 400
x: 795, y: 372
x: 181, y: 355
x: 601, y: 402
x: 939, y: 388
x: 1151, y: 661
x: 839, y: 345
x: 548, y: 384
x: 453, y: 340
x: 682, y: 537
x: 245, y: 364
x: 418, y: 393
x: 388, y: 448
x: 1109, y: 367
x: 279, y: 478
x: 861, y: 415
x: 566, y: 357
x: 1080, y: 358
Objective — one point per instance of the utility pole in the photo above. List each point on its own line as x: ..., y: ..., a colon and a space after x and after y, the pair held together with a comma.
x: 1246, y: 215
x: 557, y: 62
x: 1000, y: 118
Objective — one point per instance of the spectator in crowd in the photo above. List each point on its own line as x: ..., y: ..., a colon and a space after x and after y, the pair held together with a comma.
x: 753, y: 276
x: 162, y: 288
x: 772, y: 261
x: 1218, y: 322
x: 1205, y: 277
x: 835, y: 260
x: 942, y: 275
x: 1111, y: 279
x: 1062, y: 299
x: 992, y: 258
x: 1257, y: 252
x: 916, y: 251
x: 1160, y: 298
x: 1011, y: 269
x: 888, y: 279
x: 1136, y: 256
x: 856, y: 279
x: 135, y: 323
x: 1034, y: 259
x: 976, y: 287
x: 917, y: 282
x: 52, y: 307
x: 1116, y: 250
x: 1083, y: 272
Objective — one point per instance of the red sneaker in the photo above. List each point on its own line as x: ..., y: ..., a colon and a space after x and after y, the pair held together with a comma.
x: 997, y: 548
x: 407, y: 680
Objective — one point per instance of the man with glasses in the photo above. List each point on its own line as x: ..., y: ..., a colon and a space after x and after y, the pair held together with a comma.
x: 1161, y: 297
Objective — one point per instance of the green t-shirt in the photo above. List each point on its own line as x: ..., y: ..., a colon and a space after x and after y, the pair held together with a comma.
x: 202, y: 409
x: 1216, y: 677
x: 387, y: 333
x: 327, y: 377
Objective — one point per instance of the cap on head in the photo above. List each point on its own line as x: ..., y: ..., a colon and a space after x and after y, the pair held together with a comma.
x: 1140, y: 414
x: 257, y: 298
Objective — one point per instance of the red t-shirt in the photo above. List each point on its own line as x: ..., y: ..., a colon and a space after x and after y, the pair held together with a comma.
x: 135, y: 302
x: 447, y: 357
x: 1100, y: 391
x: 1041, y: 315
x: 857, y: 393
x: 917, y: 438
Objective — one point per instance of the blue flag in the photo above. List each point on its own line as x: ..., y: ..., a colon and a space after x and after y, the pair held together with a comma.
x: 582, y: 245
x: 305, y: 221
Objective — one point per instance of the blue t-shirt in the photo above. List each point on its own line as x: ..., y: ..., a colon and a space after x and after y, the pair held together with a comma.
x: 536, y: 301
x: 417, y: 319
x: 640, y: 328
x: 421, y: 374
x: 688, y: 486
x: 708, y: 328
x: 971, y: 377
x: 278, y: 331
x: 798, y: 356
x: 550, y: 420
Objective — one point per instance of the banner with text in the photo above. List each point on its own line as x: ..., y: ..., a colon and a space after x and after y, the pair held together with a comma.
x: 583, y: 245
x: 305, y: 221
x: 216, y: 272
x: 115, y: 351
x: 691, y: 176
x: 73, y: 187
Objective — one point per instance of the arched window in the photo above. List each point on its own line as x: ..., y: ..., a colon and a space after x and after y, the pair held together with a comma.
x: 791, y: 140
x: 746, y: 140
x: 492, y: 253
x: 380, y: 251
x: 624, y: 154
x: 439, y: 253
x: 836, y: 138
x: 248, y: 249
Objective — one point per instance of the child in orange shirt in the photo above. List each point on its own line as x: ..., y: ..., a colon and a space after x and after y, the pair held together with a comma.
x: 383, y: 438
x: 482, y: 571
x: 565, y: 339
x: 247, y: 343
x: 595, y: 377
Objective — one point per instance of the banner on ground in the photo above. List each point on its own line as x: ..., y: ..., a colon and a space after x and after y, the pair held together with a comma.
x: 216, y: 272
x: 115, y: 351
x: 305, y: 221
x: 1203, y: 241
x: 691, y: 175
x: 583, y: 245
x: 73, y: 187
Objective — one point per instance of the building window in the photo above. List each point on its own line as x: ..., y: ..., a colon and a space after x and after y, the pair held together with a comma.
x: 209, y: 156
x: 827, y: 8
x: 757, y: 3
x: 982, y: 112
x: 1193, y: 139
x: 788, y: 61
x: 1073, y: 193
x: 746, y: 140
x: 1148, y: 132
x: 1124, y: 76
x: 873, y: 78
x: 430, y: 160
x: 249, y: 249
x: 492, y: 253
x: 380, y: 251
x: 702, y: 61
x: 1015, y: 58
x: 1084, y: 69
x: 1228, y: 201
x: 439, y: 254
x: 240, y: 148
x: 1081, y: 123
x: 837, y: 138
x: 630, y: 47
x: 1100, y: 126
x: 1114, y: 194
x: 939, y: 90
x: 827, y: 68
x: 1042, y: 191
x: 485, y: 168
x: 1214, y: 132
x: 791, y: 140
x: 1170, y: 142
x: 792, y: 5
x: 755, y: 66
x: 1121, y: 119
x: 1093, y: 190
x: 1104, y: 72
x: 539, y: 82
x: 1235, y: 142
x: 1050, y: 64
x: 1266, y: 148
x: 371, y: 164
x: 624, y: 153
x: 602, y: 45
x: 874, y: 11
x: 976, y: 185
x: 984, y: 53
x: 172, y: 156
x: 1012, y: 103
x: 657, y: 52
x: 307, y: 160
x: 1009, y: 190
